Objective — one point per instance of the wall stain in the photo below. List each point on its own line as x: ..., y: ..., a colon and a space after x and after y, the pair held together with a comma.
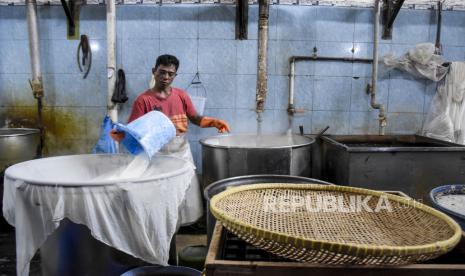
x: 64, y: 127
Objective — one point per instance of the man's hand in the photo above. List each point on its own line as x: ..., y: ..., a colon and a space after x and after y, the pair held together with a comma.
x: 118, y: 136
x: 221, y: 125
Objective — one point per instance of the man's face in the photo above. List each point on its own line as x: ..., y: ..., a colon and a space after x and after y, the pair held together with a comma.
x: 164, y: 75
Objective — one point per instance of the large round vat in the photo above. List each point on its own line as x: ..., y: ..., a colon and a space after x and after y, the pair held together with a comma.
x: 247, y: 154
x: 101, y: 209
x: 219, y: 186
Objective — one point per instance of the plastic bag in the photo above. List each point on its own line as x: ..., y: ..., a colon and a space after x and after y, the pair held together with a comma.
x: 105, y: 144
x: 445, y: 119
x: 419, y: 61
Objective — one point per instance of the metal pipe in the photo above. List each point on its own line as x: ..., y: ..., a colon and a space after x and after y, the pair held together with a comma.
x: 290, y: 107
x: 34, y: 51
x: 292, y: 60
x: 112, y: 110
x: 374, y: 73
x: 263, y: 10
x: 438, y: 30
x: 345, y: 59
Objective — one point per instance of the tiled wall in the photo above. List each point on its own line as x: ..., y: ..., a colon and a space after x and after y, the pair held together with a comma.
x: 202, y: 36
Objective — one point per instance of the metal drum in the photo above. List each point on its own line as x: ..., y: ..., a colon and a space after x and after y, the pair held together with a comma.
x: 16, y: 145
x: 246, y: 154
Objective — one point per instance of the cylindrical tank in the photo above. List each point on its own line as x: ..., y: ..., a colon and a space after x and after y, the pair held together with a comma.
x: 16, y: 145
x: 219, y: 186
x: 247, y: 154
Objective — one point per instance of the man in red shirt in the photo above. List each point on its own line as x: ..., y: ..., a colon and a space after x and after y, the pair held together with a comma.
x: 173, y: 102
x: 177, y: 105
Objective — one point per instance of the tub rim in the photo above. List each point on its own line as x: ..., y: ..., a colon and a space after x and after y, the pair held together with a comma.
x: 298, y: 145
x: 22, y: 131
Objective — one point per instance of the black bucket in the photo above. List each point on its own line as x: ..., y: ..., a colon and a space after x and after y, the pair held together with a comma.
x: 162, y: 270
x: 221, y: 185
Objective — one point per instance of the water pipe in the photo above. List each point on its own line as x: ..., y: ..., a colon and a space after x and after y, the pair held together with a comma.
x: 262, y: 78
x: 34, y: 51
x: 291, y: 110
x: 374, y: 73
x: 112, y: 110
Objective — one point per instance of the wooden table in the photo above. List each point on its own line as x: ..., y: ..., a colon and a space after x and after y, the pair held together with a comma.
x: 214, y: 265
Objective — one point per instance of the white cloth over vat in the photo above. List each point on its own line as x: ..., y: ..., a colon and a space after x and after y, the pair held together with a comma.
x: 137, y: 216
x: 446, y: 117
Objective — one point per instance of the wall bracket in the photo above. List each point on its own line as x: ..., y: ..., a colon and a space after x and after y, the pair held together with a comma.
x: 72, y: 17
x: 242, y: 10
x: 390, y: 10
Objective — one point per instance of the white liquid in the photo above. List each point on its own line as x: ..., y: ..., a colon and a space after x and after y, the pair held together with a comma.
x: 454, y: 203
x: 136, y: 168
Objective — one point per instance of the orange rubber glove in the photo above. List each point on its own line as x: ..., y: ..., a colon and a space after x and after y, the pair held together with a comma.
x: 221, y: 125
x: 118, y: 136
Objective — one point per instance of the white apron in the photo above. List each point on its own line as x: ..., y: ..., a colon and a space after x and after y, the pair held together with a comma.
x: 192, y: 208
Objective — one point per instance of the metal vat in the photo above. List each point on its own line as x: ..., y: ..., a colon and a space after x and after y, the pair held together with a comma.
x: 16, y: 145
x: 410, y: 163
x: 219, y: 186
x: 246, y: 154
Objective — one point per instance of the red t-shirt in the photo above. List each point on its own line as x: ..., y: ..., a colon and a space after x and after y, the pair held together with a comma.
x: 177, y: 106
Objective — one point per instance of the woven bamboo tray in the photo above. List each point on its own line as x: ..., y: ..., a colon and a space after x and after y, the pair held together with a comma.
x: 303, y: 222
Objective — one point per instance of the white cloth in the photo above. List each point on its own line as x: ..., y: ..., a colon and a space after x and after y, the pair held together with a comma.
x: 192, y: 207
x: 445, y: 119
x: 137, y: 217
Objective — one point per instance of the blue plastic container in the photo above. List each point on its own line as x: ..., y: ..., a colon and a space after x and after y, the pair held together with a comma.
x: 162, y: 270
x: 448, y: 190
x: 148, y: 133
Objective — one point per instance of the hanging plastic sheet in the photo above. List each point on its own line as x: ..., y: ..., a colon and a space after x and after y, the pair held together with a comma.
x: 419, y: 61
x: 445, y: 119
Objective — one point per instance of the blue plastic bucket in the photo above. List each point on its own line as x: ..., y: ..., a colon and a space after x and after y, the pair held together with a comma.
x: 148, y: 133
x: 457, y: 189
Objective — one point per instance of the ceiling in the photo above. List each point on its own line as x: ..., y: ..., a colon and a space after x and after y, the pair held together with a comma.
x: 412, y: 4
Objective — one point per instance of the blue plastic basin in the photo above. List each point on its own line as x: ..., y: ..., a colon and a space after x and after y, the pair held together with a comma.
x: 448, y: 190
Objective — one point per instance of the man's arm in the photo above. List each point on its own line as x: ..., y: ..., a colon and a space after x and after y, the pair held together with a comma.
x: 204, y: 121
x: 196, y: 119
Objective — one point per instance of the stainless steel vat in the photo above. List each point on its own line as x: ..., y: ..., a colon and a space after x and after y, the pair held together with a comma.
x: 17, y: 145
x: 219, y: 186
x: 410, y: 163
x: 246, y: 154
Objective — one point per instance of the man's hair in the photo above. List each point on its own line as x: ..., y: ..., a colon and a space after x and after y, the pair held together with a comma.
x: 167, y: 60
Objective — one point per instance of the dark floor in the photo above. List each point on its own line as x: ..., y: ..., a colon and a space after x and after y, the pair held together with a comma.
x: 187, y: 237
x: 8, y: 256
